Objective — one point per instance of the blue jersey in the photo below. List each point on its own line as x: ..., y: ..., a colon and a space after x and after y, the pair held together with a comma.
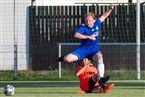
x: 94, y: 31
x: 88, y: 47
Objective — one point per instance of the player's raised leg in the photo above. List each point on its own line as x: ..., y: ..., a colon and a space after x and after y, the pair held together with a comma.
x: 68, y: 58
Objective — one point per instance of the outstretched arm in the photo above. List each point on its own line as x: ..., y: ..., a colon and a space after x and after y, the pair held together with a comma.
x: 107, y: 13
x: 80, y: 36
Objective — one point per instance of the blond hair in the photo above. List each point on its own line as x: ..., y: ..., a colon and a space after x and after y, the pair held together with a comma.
x: 89, y: 14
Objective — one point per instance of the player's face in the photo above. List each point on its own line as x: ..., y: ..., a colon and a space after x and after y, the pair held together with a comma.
x: 85, y: 61
x: 89, y: 21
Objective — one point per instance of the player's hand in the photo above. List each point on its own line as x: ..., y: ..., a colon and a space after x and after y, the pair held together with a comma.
x: 89, y: 64
x: 111, y: 7
x: 92, y: 38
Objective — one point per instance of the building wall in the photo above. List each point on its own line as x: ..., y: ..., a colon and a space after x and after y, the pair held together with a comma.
x: 9, y: 27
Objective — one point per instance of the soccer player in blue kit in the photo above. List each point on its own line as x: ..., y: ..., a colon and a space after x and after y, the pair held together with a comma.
x: 89, y: 33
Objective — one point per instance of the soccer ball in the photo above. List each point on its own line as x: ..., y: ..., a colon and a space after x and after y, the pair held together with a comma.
x: 9, y: 90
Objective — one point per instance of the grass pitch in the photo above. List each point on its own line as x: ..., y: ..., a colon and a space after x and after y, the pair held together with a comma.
x: 131, y: 88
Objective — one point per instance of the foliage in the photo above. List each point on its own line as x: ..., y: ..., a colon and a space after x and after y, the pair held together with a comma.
x: 67, y: 75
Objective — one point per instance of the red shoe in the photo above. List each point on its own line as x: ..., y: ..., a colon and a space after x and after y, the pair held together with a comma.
x: 80, y: 92
x: 108, y: 88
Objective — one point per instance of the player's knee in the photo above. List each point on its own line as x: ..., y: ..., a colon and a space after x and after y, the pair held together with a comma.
x: 71, y: 58
x: 96, y: 78
x: 100, y: 57
x: 67, y: 59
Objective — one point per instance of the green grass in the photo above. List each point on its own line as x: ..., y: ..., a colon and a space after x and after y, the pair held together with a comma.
x: 131, y: 88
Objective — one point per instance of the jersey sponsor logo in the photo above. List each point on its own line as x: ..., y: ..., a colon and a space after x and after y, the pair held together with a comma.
x: 89, y: 73
x: 95, y: 34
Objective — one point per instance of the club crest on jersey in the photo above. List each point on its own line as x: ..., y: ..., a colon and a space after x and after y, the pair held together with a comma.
x: 97, y: 28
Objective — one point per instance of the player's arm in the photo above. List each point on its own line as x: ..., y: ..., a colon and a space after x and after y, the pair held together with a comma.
x: 80, y: 71
x: 81, y: 36
x: 107, y: 13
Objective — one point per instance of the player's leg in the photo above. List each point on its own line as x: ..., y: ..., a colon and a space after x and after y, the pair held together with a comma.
x: 100, y: 65
x: 93, y: 88
x: 92, y: 82
x: 68, y: 58
x: 101, y: 81
x: 95, y: 78
x: 75, y: 55
x: 101, y: 69
x: 97, y: 89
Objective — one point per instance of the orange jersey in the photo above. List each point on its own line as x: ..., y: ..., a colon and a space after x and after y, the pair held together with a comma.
x: 85, y: 75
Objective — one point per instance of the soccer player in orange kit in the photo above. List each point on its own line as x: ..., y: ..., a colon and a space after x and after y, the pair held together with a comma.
x: 89, y: 79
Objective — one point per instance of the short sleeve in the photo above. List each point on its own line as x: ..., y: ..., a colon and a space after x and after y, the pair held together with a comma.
x: 78, y: 68
x: 81, y: 29
x: 97, y: 22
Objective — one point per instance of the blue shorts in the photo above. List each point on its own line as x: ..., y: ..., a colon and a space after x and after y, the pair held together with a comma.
x: 85, y: 53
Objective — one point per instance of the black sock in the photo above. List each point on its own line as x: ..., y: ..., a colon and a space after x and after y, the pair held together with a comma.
x: 60, y: 59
